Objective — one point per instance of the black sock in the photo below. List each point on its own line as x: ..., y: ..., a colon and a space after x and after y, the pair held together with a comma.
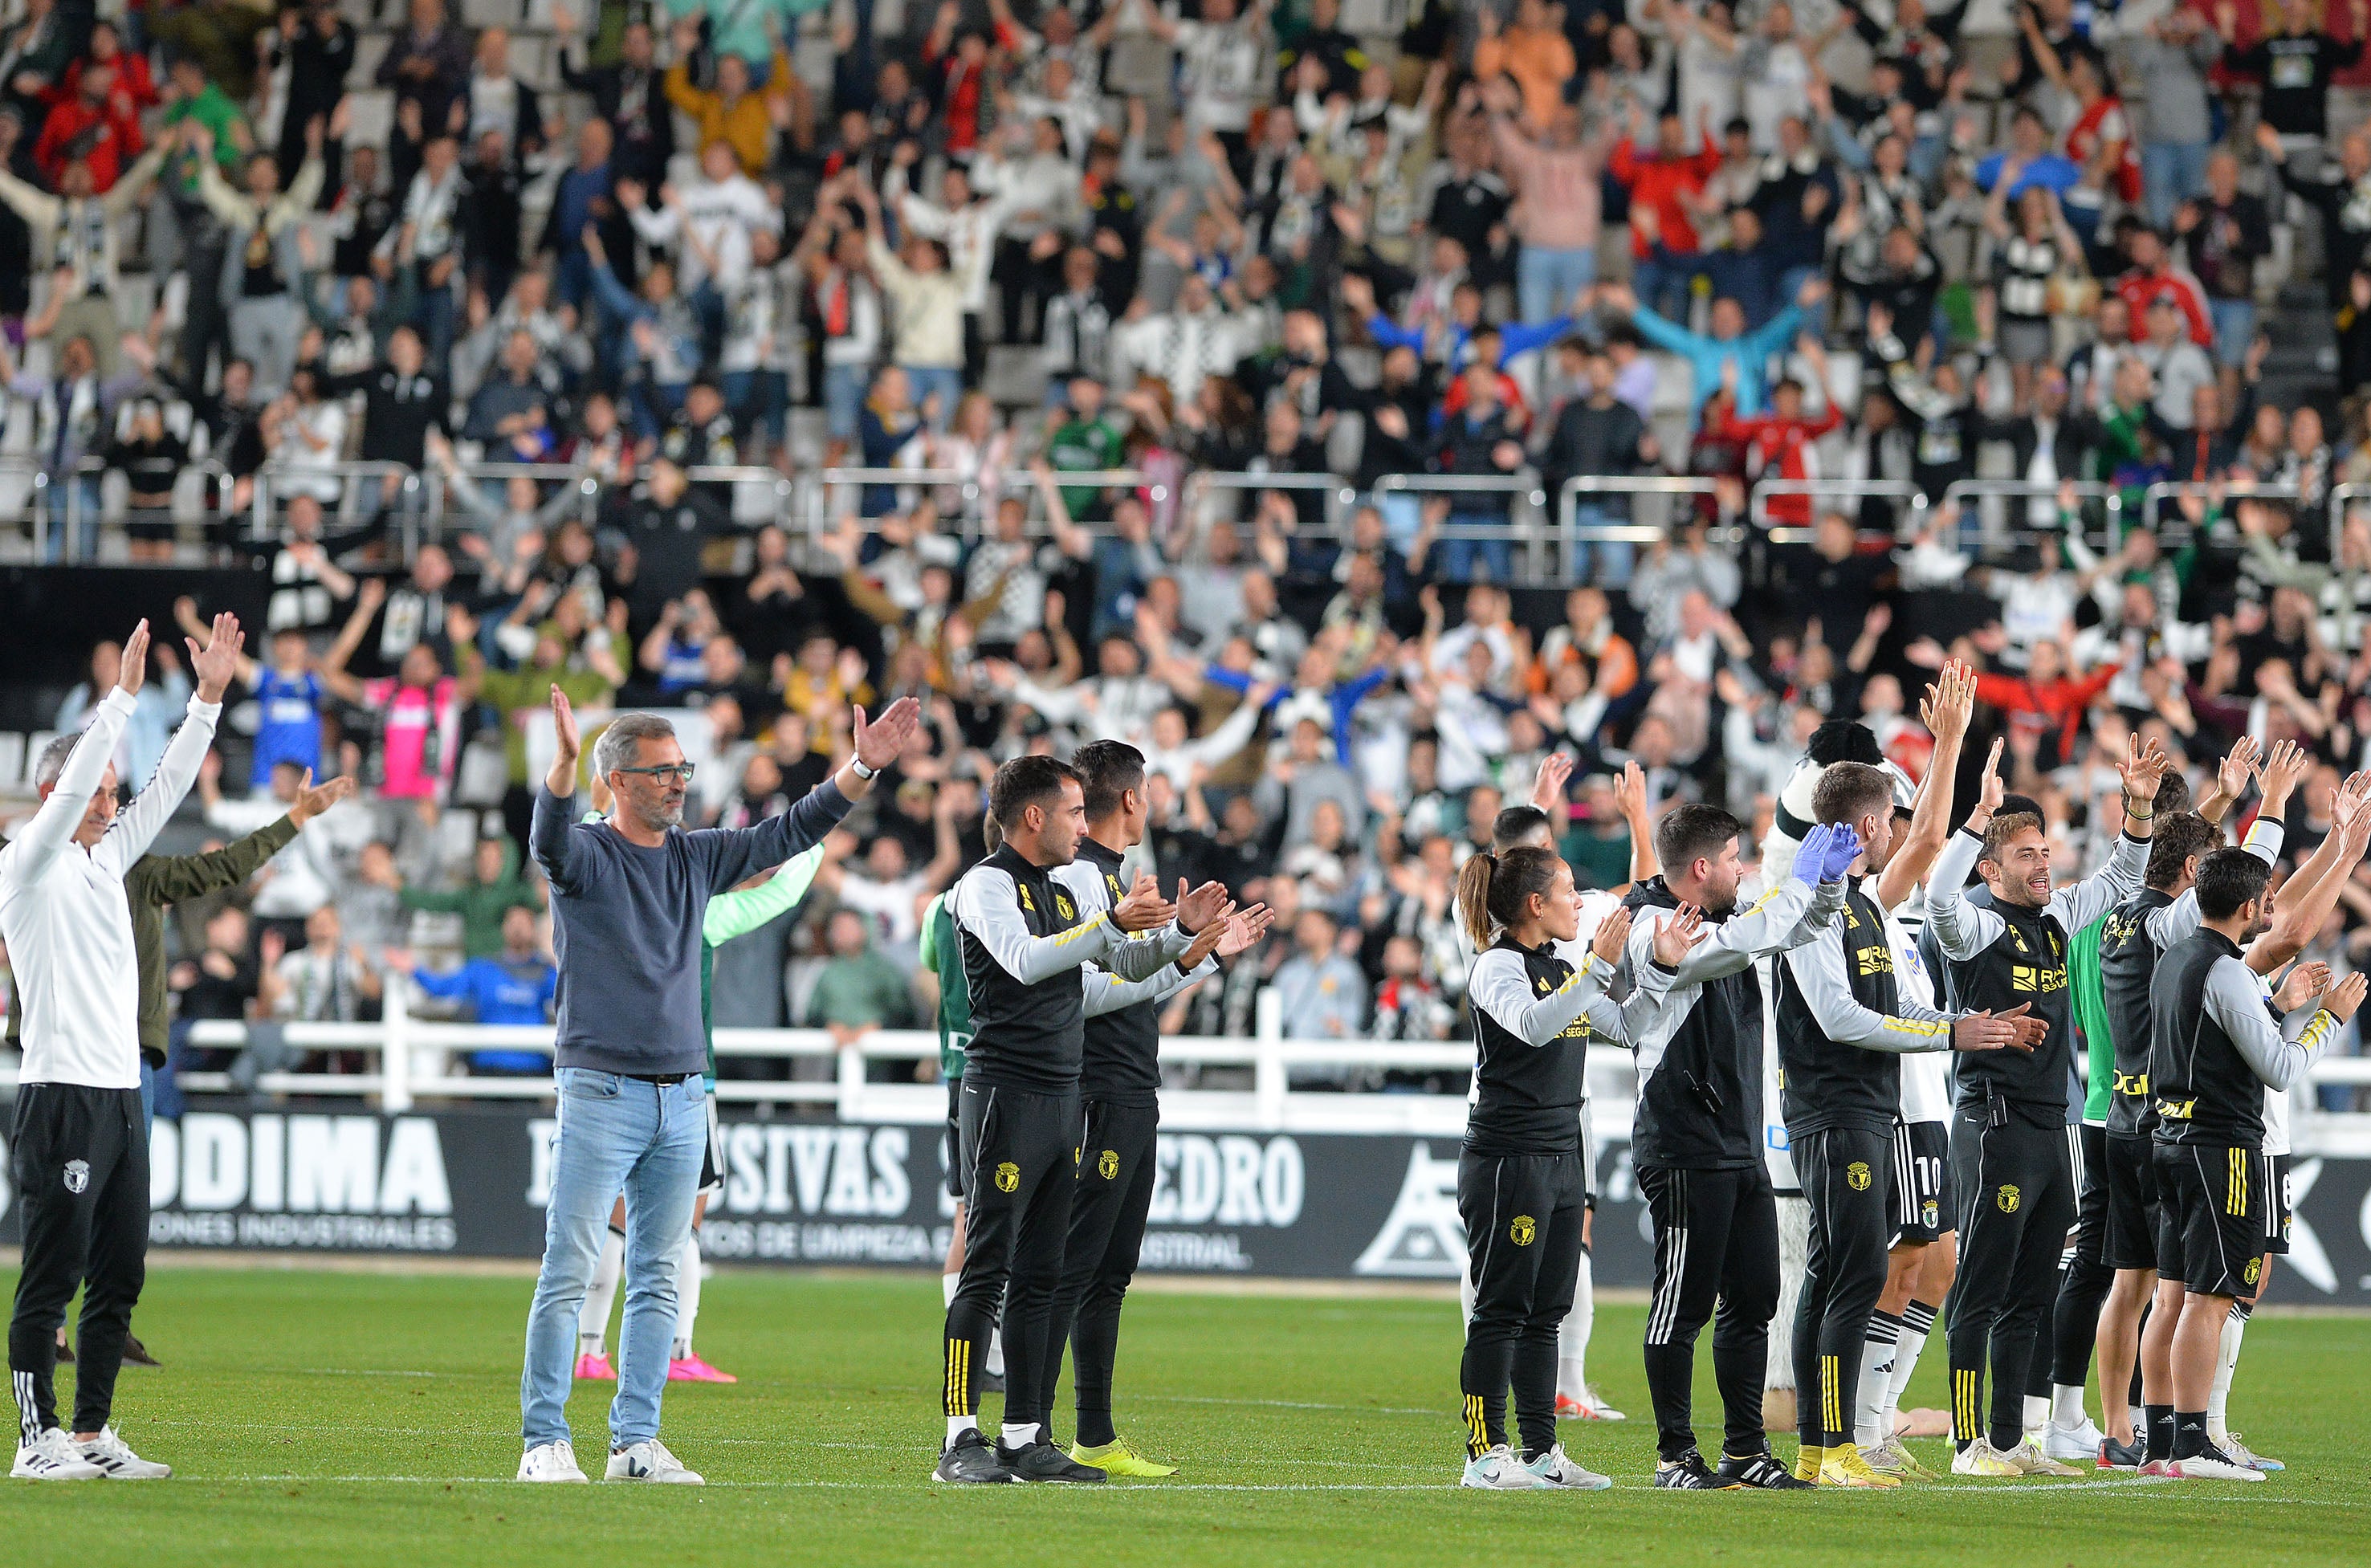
x: 2189, y: 1433
x: 2015, y: 1434
x: 2157, y: 1432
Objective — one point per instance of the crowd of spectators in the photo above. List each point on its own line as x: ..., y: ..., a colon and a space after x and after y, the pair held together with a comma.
x: 1013, y: 252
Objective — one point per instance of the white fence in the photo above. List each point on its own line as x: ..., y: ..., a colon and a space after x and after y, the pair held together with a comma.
x: 418, y: 1060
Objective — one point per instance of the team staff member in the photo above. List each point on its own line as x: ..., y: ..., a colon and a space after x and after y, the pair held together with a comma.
x: 1024, y: 944
x: 1843, y: 1021
x: 943, y: 958
x: 629, y: 895
x: 1696, y: 1138
x: 79, y: 1148
x: 1119, y: 1093
x: 1520, y: 1188
x: 2213, y: 1050
x: 2009, y: 1153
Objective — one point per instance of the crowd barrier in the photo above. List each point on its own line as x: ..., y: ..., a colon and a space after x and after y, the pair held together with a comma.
x: 1267, y: 1164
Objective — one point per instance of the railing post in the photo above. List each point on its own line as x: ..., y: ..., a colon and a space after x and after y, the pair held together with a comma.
x: 395, y: 1051
x: 1269, y: 1083
x: 850, y: 1060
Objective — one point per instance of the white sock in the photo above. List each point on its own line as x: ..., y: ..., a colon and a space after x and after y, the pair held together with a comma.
x: 1870, y: 1426
x: 593, y: 1318
x: 1016, y: 1437
x: 1917, y: 1322
x: 947, y: 1283
x: 2218, y: 1401
x: 686, y: 1297
x: 1572, y: 1336
x: 2066, y: 1405
x: 1465, y: 1295
x: 959, y: 1424
x: 2037, y: 1413
x: 996, y: 1352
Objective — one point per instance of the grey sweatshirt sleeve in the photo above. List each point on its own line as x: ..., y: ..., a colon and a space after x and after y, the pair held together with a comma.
x: 1818, y: 971
x: 988, y: 905
x: 1107, y: 992
x: 2180, y: 918
x: 2278, y: 1056
x: 1501, y: 986
x: 2078, y: 906
x: 736, y: 854
x: 1134, y: 955
x: 1963, y: 929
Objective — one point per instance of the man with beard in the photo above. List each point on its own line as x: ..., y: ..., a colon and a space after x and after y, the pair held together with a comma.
x: 1697, y: 1137
x: 2011, y: 1159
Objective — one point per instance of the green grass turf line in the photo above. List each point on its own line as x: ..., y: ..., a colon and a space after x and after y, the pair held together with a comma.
x: 337, y: 1418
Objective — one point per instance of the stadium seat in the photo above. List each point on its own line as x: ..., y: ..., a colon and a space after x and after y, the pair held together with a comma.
x: 35, y: 744
x: 12, y: 755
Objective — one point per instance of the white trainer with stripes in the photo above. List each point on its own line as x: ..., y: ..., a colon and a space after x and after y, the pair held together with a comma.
x: 53, y: 1456
x: 110, y: 1453
x: 649, y: 1461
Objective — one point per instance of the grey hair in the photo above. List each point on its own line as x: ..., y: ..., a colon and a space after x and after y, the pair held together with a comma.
x: 615, y: 749
x: 53, y: 760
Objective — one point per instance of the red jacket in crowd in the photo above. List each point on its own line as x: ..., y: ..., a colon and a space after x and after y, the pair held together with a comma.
x: 1657, y: 181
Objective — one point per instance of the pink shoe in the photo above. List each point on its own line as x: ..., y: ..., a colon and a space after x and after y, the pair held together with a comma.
x: 692, y: 1369
x: 593, y: 1367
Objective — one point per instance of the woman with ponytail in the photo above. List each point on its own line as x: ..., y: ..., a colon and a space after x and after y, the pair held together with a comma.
x: 1520, y: 1189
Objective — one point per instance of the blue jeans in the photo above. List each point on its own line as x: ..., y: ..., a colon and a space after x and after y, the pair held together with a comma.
x: 1458, y: 553
x: 1545, y: 280
x: 946, y: 380
x: 1614, y: 557
x: 646, y: 1139
x: 1661, y: 282
x: 2235, y: 329
x: 2171, y: 173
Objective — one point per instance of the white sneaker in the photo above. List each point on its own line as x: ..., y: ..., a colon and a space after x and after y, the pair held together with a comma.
x: 1499, y: 1470
x: 53, y: 1456
x: 2029, y: 1460
x: 2073, y: 1444
x: 1981, y: 1459
x: 1558, y: 1469
x: 649, y: 1461
x: 2212, y: 1466
x: 2234, y: 1450
x: 114, y: 1456
x: 550, y: 1461
x: 1599, y: 1410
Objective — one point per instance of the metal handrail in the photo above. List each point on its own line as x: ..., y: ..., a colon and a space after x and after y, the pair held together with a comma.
x: 1758, y: 508
x: 1578, y: 485
x: 1340, y: 495
x: 2167, y: 490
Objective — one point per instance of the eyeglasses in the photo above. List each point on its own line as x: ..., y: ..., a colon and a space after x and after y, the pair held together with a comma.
x: 674, y: 773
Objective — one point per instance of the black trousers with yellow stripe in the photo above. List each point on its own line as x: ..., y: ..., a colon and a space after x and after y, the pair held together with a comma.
x: 1117, y: 1169
x: 1845, y: 1173
x: 2016, y: 1182
x: 1023, y: 1152
x: 1523, y: 1217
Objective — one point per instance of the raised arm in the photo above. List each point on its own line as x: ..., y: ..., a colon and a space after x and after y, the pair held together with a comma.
x: 1501, y: 986
x: 2078, y: 906
x: 2278, y: 1055
x: 53, y: 827
x: 740, y: 911
x: 1748, y: 934
x: 1946, y: 708
x: 368, y: 596
x: 215, y: 665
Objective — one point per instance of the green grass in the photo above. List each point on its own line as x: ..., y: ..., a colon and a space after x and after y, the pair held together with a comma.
x: 353, y: 1418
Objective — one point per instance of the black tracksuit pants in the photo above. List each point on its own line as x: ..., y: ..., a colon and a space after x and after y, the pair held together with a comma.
x: 1716, y: 1237
x: 2061, y: 1349
x: 1114, y: 1194
x: 1844, y: 1173
x: 1023, y: 1148
x: 79, y: 1158
x: 2017, y: 1200
x: 1523, y: 1217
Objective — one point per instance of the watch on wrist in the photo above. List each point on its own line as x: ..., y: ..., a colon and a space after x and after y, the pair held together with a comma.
x: 856, y: 766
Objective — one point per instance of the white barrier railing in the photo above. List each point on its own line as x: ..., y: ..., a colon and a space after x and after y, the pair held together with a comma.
x: 416, y: 1063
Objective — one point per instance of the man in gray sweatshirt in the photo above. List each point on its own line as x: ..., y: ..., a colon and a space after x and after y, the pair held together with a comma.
x: 629, y: 893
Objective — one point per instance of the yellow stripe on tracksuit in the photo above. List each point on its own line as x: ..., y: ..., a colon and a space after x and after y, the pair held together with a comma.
x: 2235, y: 1185
x: 1920, y: 1028
x: 1477, y: 1427
x: 1831, y: 1400
x: 1964, y: 1404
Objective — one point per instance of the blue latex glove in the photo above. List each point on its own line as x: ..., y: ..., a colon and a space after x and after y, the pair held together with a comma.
x: 1843, y: 849
x: 1810, y: 859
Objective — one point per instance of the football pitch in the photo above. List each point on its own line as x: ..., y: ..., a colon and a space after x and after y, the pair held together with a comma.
x: 341, y: 1417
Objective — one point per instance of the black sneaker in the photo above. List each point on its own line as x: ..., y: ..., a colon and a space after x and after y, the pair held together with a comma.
x: 1687, y: 1473
x: 2115, y: 1456
x: 136, y: 1354
x: 969, y: 1459
x: 1761, y: 1470
x: 991, y: 1382
x: 1041, y: 1460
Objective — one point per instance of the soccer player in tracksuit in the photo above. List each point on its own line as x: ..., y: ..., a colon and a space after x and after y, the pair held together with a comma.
x: 1119, y: 1091
x: 1025, y: 946
x: 1520, y: 1193
x: 1843, y: 1023
x: 78, y: 1151
x: 2214, y: 1048
x: 942, y: 956
x: 2009, y: 1150
x: 1697, y: 1137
